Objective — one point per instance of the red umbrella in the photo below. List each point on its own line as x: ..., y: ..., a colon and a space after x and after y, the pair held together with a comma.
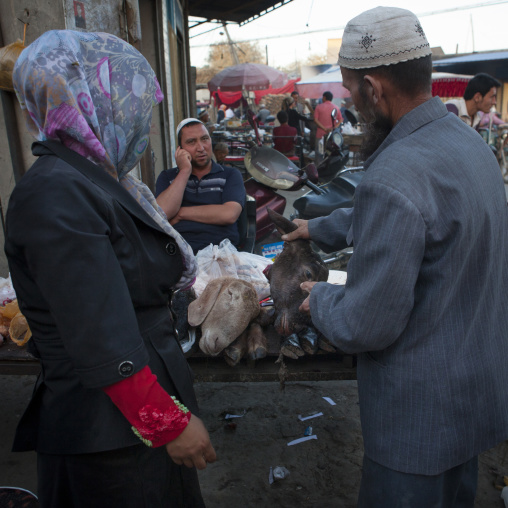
x: 247, y: 76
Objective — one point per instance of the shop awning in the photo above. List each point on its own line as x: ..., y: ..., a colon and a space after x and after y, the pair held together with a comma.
x: 472, y: 58
x: 233, y: 10
x: 444, y: 84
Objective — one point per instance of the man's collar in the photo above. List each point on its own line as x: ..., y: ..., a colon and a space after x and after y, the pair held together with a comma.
x: 216, y: 168
x: 416, y: 118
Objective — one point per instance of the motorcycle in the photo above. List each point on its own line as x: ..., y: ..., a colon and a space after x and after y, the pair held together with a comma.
x: 497, y: 139
x: 331, y: 185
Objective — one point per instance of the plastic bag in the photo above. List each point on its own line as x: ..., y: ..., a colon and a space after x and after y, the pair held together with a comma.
x: 10, y: 310
x: 19, y: 330
x: 8, y: 56
x: 225, y: 261
x: 11, y: 317
x: 7, y: 293
x: 348, y: 129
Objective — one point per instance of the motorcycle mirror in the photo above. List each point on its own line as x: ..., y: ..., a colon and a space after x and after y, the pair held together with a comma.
x: 270, y: 167
x: 334, y: 112
x: 312, y: 173
x: 335, y: 140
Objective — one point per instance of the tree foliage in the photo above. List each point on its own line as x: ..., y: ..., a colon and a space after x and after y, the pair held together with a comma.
x: 316, y: 59
x: 293, y: 69
x: 220, y: 57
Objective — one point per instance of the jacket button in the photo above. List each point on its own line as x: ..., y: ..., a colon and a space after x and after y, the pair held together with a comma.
x: 126, y: 369
x: 171, y: 248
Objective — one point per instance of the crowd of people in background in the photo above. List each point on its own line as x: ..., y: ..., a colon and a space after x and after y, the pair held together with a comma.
x: 114, y: 417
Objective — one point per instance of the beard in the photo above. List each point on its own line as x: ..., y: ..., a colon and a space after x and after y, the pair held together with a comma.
x: 378, y: 125
x: 375, y: 134
x: 201, y: 164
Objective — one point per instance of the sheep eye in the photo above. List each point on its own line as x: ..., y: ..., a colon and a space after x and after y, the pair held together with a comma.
x: 308, y: 274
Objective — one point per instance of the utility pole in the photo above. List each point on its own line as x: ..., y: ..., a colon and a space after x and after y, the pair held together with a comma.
x: 231, y: 45
x: 472, y: 30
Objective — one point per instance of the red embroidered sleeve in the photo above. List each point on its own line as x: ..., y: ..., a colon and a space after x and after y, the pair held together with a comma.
x: 155, y: 416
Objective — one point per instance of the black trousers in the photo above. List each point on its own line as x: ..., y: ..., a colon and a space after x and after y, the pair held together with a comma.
x: 382, y: 487
x: 133, y: 477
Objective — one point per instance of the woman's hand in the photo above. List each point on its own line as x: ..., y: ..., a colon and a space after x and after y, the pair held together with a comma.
x: 192, y: 448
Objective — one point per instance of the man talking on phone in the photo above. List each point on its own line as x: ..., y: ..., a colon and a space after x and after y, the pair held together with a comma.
x: 201, y: 199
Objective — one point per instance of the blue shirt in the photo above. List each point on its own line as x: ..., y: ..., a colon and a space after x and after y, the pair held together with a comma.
x: 221, y: 185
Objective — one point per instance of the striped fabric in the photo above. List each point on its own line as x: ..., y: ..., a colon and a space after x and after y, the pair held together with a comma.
x: 425, y: 301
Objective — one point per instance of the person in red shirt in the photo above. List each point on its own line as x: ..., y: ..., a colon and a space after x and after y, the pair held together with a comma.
x: 323, y: 120
x: 284, y: 135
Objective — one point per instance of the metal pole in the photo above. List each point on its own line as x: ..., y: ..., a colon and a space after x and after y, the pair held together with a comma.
x: 231, y: 45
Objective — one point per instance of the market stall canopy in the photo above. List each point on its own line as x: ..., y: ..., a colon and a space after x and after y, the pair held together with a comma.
x: 233, y: 99
x: 494, y: 63
x: 247, y: 76
x: 232, y: 10
x: 327, y: 81
x: 446, y: 84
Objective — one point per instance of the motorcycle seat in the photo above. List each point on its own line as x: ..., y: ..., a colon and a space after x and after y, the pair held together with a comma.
x: 335, y: 195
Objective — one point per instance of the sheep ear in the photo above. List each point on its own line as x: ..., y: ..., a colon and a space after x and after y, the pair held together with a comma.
x: 200, y: 308
x: 282, y: 224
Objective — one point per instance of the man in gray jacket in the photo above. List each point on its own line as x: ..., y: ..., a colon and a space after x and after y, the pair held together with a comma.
x: 424, y: 303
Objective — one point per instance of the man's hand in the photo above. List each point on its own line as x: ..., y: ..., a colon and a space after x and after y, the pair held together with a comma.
x: 192, y: 447
x: 174, y: 220
x: 183, y: 160
x: 301, y: 232
x: 305, y: 306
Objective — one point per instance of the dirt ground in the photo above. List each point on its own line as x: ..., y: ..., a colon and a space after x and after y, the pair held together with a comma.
x: 323, y: 472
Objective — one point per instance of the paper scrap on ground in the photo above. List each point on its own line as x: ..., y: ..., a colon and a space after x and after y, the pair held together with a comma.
x: 303, y: 418
x: 228, y: 416
x: 301, y: 440
x: 330, y: 401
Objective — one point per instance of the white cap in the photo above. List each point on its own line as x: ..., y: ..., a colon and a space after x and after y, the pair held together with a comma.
x: 382, y: 36
x: 183, y: 123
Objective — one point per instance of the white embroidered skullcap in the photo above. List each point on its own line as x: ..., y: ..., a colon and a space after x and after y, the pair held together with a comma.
x: 382, y: 36
x: 183, y: 123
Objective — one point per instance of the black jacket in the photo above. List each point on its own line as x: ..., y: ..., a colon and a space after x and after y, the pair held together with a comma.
x: 93, y: 275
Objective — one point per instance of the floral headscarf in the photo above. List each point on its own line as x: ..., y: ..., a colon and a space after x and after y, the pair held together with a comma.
x: 94, y: 93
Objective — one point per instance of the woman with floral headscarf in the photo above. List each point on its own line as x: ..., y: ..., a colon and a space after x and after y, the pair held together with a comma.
x: 94, y: 262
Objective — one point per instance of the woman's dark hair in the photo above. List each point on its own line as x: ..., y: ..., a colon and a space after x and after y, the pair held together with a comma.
x: 411, y: 77
x: 480, y: 83
x: 282, y: 117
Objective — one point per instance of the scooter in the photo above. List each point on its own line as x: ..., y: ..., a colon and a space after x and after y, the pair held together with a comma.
x: 498, y: 142
x: 271, y: 170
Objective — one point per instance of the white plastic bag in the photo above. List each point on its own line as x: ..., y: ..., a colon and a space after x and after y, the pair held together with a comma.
x: 7, y: 293
x: 225, y: 261
x: 347, y: 128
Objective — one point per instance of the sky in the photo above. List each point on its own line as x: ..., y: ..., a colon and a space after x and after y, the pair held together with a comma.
x: 477, y: 26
